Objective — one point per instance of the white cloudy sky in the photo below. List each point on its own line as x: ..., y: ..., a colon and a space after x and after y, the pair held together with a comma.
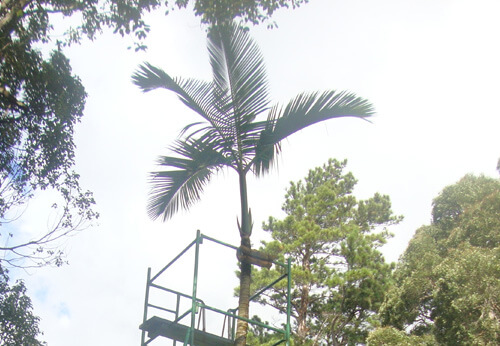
x: 429, y: 66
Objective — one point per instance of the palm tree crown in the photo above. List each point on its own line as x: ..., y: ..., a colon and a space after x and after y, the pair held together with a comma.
x: 233, y: 132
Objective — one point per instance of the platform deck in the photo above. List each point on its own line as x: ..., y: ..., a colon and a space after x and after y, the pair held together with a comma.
x: 157, y: 326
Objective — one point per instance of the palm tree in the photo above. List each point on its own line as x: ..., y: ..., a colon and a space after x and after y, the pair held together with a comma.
x: 233, y: 131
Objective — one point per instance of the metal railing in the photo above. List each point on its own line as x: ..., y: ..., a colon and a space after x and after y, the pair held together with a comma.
x: 197, y: 305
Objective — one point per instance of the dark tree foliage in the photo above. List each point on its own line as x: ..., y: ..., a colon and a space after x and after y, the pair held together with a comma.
x: 18, y: 325
x: 251, y: 11
x: 41, y: 101
x: 448, y: 279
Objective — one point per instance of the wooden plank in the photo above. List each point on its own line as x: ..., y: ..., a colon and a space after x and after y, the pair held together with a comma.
x: 157, y: 326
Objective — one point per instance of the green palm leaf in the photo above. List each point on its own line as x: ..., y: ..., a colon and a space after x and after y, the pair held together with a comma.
x: 193, y: 93
x: 305, y: 110
x: 239, y: 73
x: 308, y: 109
x: 181, y: 186
x: 197, y: 95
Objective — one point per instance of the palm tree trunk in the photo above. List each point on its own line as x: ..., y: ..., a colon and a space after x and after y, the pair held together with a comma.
x: 246, y: 268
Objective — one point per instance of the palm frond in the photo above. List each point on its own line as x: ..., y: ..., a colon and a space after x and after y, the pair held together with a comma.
x: 182, y: 183
x: 265, y: 150
x: 308, y: 109
x: 188, y: 127
x: 195, y: 94
x: 248, y: 139
x: 149, y: 77
x: 239, y: 73
x: 304, y: 110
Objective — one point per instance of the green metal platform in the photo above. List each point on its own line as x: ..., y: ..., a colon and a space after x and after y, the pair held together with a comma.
x: 181, y: 326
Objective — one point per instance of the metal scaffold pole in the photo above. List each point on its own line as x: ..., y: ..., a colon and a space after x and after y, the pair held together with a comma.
x: 195, y: 286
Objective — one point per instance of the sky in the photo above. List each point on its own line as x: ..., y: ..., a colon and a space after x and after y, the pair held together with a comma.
x: 430, y: 67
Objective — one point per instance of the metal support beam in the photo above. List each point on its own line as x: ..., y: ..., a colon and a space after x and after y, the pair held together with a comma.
x: 186, y: 332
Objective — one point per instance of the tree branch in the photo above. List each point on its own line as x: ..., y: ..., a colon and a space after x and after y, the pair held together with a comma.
x: 39, y: 251
x: 12, y: 100
x: 11, y: 14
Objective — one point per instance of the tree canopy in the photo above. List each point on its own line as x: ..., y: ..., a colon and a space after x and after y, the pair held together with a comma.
x: 448, y: 279
x: 339, y: 277
x: 41, y: 101
x: 390, y: 336
x: 18, y: 325
x: 249, y: 11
